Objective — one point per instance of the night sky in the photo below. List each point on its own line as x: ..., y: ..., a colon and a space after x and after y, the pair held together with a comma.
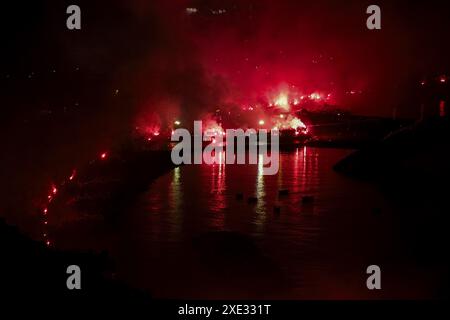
x: 162, y: 56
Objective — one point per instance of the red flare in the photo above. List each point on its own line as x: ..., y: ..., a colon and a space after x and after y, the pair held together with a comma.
x: 74, y: 172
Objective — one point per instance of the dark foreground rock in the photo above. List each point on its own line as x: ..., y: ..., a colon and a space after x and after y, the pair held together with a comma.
x: 235, y: 264
x: 412, y: 162
x: 412, y: 168
x: 32, y: 273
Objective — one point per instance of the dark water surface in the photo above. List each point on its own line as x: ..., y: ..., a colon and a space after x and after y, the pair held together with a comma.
x: 171, y: 241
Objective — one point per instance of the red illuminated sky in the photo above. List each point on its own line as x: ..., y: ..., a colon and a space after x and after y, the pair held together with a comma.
x: 257, y: 47
x: 169, y: 58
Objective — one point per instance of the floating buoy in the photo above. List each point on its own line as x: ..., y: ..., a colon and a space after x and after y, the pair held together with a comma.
x: 376, y: 211
x: 307, y: 199
x: 252, y: 199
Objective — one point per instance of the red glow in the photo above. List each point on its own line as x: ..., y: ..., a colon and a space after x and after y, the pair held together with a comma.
x: 103, y: 155
x: 442, y: 108
x: 315, y: 96
x: 45, y: 211
x: 74, y: 172
x: 54, y: 190
x: 282, y: 101
x: 211, y: 128
x: 47, y: 243
x: 287, y: 121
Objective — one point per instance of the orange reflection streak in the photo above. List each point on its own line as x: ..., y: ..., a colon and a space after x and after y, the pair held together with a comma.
x: 218, y: 186
x: 260, y: 194
x: 296, y: 168
x: 176, y: 202
x: 305, y: 152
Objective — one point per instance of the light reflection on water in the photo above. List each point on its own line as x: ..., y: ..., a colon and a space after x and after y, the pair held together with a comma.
x: 153, y: 242
x: 311, y: 242
x: 195, y: 199
x: 203, y: 197
x: 200, y: 198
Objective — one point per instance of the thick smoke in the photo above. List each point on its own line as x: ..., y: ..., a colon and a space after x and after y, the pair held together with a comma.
x: 153, y: 63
